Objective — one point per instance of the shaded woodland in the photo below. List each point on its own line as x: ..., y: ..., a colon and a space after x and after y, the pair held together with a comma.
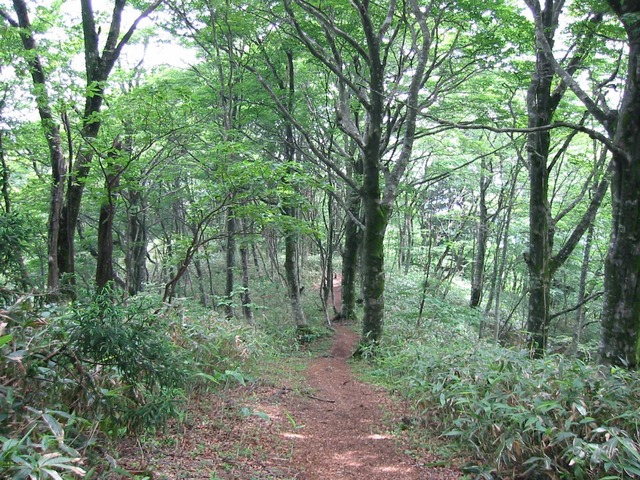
x: 182, y: 177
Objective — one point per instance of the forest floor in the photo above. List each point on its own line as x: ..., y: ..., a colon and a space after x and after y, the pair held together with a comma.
x: 315, y: 421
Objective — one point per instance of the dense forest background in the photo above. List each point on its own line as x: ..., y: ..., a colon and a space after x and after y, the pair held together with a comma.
x: 462, y: 178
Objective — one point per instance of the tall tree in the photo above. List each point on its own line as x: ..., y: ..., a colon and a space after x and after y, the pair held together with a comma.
x: 620, y: 344
x: 51, y: 133
x: 543, y: 99
x: 355, y: 47
x: 621, y: 309
x: 98, y: 67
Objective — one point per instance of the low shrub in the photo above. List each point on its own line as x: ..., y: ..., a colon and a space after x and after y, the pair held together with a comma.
x: 524, y: 416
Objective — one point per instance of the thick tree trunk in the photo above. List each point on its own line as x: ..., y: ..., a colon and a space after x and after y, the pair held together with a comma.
x: 540, y: 112
x: 351, y: 251
x: 375, y: 221
x: 104, y: 265
x: 98, y: 68
x: 621, y: 310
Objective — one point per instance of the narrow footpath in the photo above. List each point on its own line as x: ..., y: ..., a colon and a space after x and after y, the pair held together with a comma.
x: 332, y: 427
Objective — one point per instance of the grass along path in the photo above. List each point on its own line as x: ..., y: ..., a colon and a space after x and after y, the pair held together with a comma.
x: 326, y: 426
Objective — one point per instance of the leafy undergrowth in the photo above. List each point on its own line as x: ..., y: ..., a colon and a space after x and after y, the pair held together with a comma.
x: 520, y: 418
x: 73, y: 378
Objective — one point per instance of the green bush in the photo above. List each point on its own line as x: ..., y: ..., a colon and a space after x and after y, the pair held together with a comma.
x: 520, y: 415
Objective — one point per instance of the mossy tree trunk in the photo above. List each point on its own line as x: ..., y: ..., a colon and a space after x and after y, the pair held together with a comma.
x: 620, y: 343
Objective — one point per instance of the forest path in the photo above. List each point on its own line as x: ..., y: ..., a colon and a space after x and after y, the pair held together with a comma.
x: 345, y: 435
x: 323, y: 424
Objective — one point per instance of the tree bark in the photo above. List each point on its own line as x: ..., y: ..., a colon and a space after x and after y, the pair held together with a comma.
x: 584, y: 271
x: 351, y: 251
x: 477, y: 278
x: 247, y: 310
x: 292, y: 257
x: 98, y: 68
x: 230, y: 263
x: 54, y: 143
x: 104, y: 262
x: 135, y: 259
x: 620, y: 343
x: 542, y: 103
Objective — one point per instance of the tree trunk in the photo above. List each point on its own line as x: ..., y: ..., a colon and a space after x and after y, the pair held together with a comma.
x: 477, y: 278
x: 350, y: 252
x: 247, y: 310
x: 54, y: 143
x: 98, y: 68
x: 293, y: 276
x: 136, y: 258
x: 104, y: 263
x: 230, y: 263
x: 579, y: 325
x: 539, y: 254
x: 292, y: 257
x: 621, y: 309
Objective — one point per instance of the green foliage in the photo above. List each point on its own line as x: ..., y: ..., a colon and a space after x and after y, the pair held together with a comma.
x: 15, y: 234
x: 42, y: 452
x: 127, y: 338
x: 518, y: 414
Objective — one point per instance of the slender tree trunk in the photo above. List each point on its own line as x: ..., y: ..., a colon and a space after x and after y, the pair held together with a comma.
x: 136, y: 258
x: 584, y: 271
x: 292, y: 257
x: 202, y: 282
x: 54, y: 143
x: 230, y: 262
x: 25, y: 282
x: 477, y: 278
x: 247, y: 310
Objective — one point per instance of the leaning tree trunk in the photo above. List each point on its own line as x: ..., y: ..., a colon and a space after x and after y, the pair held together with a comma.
x: 621, y: 309
x: 54, y: 142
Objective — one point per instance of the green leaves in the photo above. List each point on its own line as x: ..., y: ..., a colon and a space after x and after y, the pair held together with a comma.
x: 520, y: 414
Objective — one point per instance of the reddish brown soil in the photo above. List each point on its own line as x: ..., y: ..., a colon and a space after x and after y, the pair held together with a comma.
x: 334, y: 427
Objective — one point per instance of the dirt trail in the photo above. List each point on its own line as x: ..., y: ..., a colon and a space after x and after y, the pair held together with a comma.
x: 331, y: 428
x: 343, y: 437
